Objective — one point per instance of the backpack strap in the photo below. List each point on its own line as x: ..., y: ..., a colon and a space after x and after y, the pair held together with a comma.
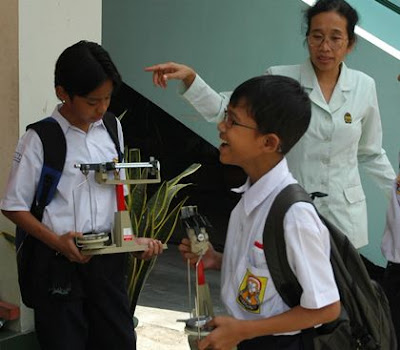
x: 275, y: 247
x: 54, y: 153
x: 110, y: 122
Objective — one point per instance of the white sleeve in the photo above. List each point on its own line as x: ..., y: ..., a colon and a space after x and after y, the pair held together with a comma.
x: 308, y: 251
x: 25, y: 173
x: 371, y: 156
x: 206, y: 101
x: 390, y: 246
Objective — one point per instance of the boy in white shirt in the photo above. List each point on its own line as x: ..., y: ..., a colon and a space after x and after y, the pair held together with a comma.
x: 391, y: 251
x: 266, y: 116
x: 80, y: 302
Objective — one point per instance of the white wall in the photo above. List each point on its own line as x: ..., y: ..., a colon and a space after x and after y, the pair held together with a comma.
x: 45, y: 28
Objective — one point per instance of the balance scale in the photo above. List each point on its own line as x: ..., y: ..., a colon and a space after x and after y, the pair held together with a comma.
x: 121, y: 239
x: 196, y: 227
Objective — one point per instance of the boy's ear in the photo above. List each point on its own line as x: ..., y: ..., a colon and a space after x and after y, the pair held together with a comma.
x: 61, y: 93
x: 272, y: 143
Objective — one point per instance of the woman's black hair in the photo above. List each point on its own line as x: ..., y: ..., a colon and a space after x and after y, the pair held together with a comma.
x: 84, y: 66
x: 341, y: 7
x: 278, y: 104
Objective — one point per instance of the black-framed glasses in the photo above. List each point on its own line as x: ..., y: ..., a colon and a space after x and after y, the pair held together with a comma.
x: 229, y: 122
x: 334, y: 42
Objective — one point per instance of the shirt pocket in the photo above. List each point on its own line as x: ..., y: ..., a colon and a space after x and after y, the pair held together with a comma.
x: 252, y: 283
x: 256, y: 258
x: 354, y: 194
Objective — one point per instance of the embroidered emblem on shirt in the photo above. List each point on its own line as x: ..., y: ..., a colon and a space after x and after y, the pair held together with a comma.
x: 347, y: 118
x: 251, y: 292
x: 17, y: 157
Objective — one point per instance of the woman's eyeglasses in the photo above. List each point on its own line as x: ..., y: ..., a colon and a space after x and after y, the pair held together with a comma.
x: 334, y: 42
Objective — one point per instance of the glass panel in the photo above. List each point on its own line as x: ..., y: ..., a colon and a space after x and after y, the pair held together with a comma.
x: 392, y: 4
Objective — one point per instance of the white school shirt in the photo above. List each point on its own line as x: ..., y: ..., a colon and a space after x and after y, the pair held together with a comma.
x: 247, y: 288
x: 343, y: 134
x: 391, y: 238
x: 70, y: 208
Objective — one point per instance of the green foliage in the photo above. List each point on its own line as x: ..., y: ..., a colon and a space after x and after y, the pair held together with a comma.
x: 151, y: 217
x: 9, y: 237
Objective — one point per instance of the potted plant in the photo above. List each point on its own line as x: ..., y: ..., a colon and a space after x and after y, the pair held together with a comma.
x: 153, y: 217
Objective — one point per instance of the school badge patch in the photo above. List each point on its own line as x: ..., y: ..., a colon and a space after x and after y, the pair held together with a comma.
x: 348, y: 118
x: 251, y: 292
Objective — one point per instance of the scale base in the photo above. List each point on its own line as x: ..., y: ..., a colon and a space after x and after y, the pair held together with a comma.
x: 113, y: 249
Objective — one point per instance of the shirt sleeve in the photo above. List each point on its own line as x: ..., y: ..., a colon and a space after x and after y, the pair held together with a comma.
x: 391, y: 238
x: 205, y: 100
x: 25, y: 173
x: 308, y: 251
x: 371, y: 156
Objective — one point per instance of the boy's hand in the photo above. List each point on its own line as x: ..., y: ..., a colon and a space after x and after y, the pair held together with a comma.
x: 211, y: 259
x: 170, y: 70
x: 154, y: 247
x: 226, y: 335
x: 186, y: 251
x: 67, y: 247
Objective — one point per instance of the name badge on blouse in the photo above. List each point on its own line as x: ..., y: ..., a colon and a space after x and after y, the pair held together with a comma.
x: 347, y: 118
x: 251, y: 292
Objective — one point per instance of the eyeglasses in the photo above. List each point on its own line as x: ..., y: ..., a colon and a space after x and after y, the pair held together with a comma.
x: 334, y: 42
x: 229, y: 122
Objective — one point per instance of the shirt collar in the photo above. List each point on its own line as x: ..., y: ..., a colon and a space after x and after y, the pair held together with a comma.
x: 309, y: 80
x: 65, y: 124
x: 255, y: 194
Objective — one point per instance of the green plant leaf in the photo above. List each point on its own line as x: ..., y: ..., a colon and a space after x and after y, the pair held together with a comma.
x: 139, y: 198
x: 133, y: 155
x: 142, y: 276
x: 9, y: 237
x: 167, y: 228
x: 122, y: 114
x: 144, y: 224
x: 157, y: 203
x: 171, y: 193
x: 188, y: 171
x: 134, y: 224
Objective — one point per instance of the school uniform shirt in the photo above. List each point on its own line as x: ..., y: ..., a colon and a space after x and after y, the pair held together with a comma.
x: 80, y: 203
x: 391, y: 238
x: 247, y: 288
x: 344, y: 133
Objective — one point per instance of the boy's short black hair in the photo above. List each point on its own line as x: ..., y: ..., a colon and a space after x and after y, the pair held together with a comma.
x: 84, y: 66
x: 278, y: 104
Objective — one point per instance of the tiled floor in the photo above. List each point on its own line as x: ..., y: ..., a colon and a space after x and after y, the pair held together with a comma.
x: 167, y: 288
x: 164, y: 300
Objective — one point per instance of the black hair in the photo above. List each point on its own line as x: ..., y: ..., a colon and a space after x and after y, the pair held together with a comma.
x: 84, y: 66
x: 341, y: 7
x: 278, y: 105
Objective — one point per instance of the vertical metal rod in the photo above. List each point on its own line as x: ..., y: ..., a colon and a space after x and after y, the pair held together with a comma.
x: 74, y: 201
x: 197, y: 296
x: 93, y: 216
x: 189, y: 288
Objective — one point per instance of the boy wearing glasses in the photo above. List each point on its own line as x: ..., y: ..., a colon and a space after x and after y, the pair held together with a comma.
x: 345, y: 132
x: 265, y: 118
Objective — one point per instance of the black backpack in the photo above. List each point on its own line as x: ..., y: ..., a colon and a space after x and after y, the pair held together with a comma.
x: 54, y: 153
x: 365, y: 322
